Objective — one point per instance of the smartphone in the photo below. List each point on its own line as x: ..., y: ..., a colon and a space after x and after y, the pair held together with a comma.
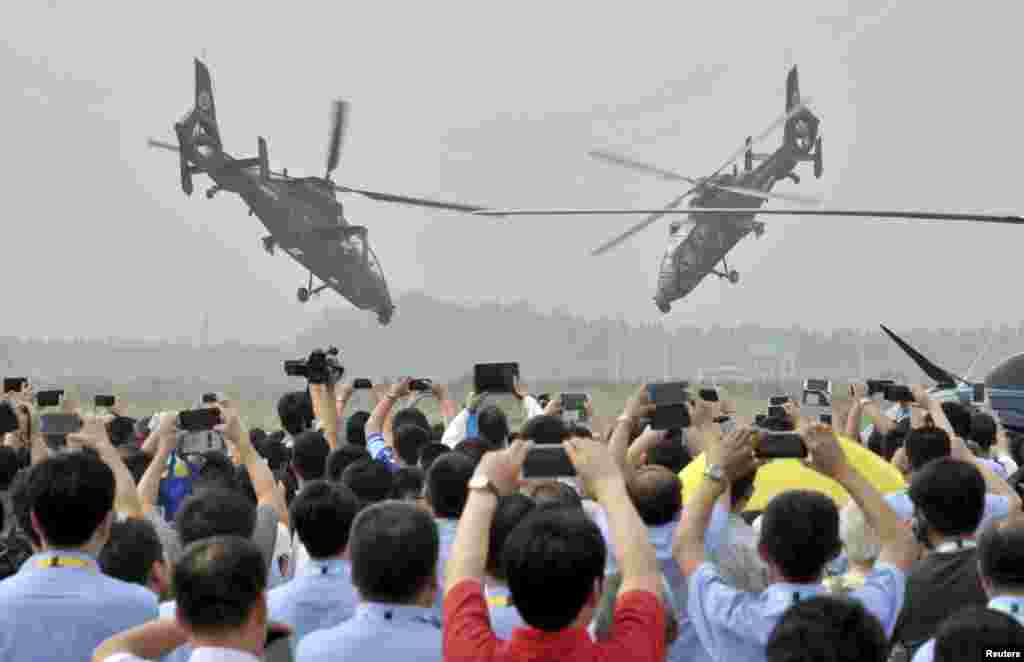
x: 822, y: 385
x: 210, y: 398
x: 778, y: 400
x: 14, y: 384
x: 670, y: 405
x: 104, y: 401
x: 760, y: 419
x: 8, y: 419
x: 49, y: 398
x: 59, y: 424
x: 574, y: 407
x: 979, y: 393
x: 296, y: 368
x: 196, y: 420
x: 547, y: 461
x: 362, y: 383
x: 419, y: 385
x: 776, y: 411
x: 495, y: 377
x: 898, y: 393
x: 709, y: 394
x: 876, y: 386
x: 826, y: 419
x: 777, y: 445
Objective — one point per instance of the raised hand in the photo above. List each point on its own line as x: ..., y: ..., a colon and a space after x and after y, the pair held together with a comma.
x: 594, y: 464
x: 825, y: 455
x: 734, y: 453
x: 504, y: 468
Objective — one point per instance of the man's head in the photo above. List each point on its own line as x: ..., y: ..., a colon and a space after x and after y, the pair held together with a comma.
x: 369, y: 479
x: 407, y: 484
x: 309, y: 455
x: 553, y: 493
x: 949, y: 499
x: 68, y: 501
x: 493, y: 425
x: 657, y: 494
x: 800, y: 534
x: 1001, y: 560
x: 545, y: 429
x: 959, y: 417
x: 554, y: 563
x: 135, y: 555
x: 394, y: 548
x: 220, y: 588
x: 670, y: 452
x: 983, y: 430
x: 322, y: 514
x: 341, y: 457
x: 137, y: 461
x: 355, y: 428
x: 410, y: 416
x: 429, y: 453
x: 923, y: 445
x: 447, y: 484
x: 474, y: 448
x: 510, y: 512
x: 216, y: 471
x: 295, y: 409
x: 409, y: 439
x: 215, y: 512
x: 974, y: 633
x: 827, y: 629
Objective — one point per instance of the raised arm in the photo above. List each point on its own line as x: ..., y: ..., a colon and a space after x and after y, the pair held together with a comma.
x: 262, y: 478
x: 377, y: 443
x: 165, y: 438
x: 448, y: 407
x: 94, y: 435
x: 323, y: 396
x: 149, y: 641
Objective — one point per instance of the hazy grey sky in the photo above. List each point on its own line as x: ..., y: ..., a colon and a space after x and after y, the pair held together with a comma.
x: 497, y: 103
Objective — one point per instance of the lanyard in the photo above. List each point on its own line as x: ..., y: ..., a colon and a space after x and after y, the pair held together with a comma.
x: 65, y: 562
x: 954, y: 546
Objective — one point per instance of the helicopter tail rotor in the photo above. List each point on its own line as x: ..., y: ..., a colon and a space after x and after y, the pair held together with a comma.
x: 338, y: 125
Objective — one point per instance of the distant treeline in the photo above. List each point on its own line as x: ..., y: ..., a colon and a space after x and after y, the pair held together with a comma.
x: 441, y: 340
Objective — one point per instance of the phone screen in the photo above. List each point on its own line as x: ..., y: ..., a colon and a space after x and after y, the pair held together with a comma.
x: 547, y: 461
x: 104, y: 401
x: 362, y: 383
x: 818, y: 385
x: 780, y: 445
x: 49, y: 398
x: 495, y: 377
x: 778, y: 400
x: 709, y: 394
x: 59, y: 424
x: 199, y: 419
x: 8, y: 419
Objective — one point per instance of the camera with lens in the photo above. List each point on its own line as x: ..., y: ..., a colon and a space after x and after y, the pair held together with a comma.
x: 322, y: 367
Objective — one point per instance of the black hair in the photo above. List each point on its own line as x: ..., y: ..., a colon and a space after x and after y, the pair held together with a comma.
x: 983, y: 430
x: 895, y: 439
x: 309, y: 455
x: 545, y: 429
x: 429, y: 453
x: 448, y: 484
x: 409, y: 439
x: 273, y: 450
x: 556, y: 493
x: 925, y: 444
x: 369, y: 479
x: 121, y: 431
x: 407, y: 484
x: 552, y: 560
x: 1001, y: 557
x: 827, y: 629
x: 973, y: 633
x: 10, y: 464
x: 257, y: 436
x: 21, y: 504
x: 341, y: 457
x: 742, y: 488
x: 657, y: 494
x: 800, y: 533
x: 778, y: 424
x: 355, y: 428
x: 71, y: 494
x: 474, y: 448
x: 215, y: 471
x: 217, y: 583
x: 295, y: 409
x: 394, y: 548
x: 137, y: 462
x: 950, y: 495
x: 212, y: 512
x: 493, y: 425
x: 131, y: 551
x: 670, y: 452
x: 959, y: 417
x: 410, y: 416
x: 510, y: 512
x: 322, y: 515
x: 243, y: 483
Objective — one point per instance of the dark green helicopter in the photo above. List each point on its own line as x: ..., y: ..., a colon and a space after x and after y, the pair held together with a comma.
x: 302, y: 214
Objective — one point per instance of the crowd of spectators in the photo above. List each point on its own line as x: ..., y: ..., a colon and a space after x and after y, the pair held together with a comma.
x: 379, y: 535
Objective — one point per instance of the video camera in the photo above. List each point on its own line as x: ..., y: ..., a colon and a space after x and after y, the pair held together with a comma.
x: 322, y: 367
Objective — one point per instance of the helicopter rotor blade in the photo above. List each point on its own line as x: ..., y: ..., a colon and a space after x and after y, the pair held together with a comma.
x: 655, y: 214
x: 338, y: 122
x: 798, y: 108
x: 416, y: 202
x: 159, y: 144
x: 643, y: 167
x: 768, y: 195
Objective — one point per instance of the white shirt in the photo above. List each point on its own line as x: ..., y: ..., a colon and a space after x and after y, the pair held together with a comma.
x: 199, y: 655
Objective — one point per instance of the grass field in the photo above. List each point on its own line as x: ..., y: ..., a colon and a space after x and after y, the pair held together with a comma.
x: 608, y: 399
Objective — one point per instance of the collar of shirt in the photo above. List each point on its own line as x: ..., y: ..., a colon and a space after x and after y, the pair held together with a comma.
x: 60, y: 558
x: 333, y: 567
x: 793, y: 593
x: 951, y: 546
x: 211, y: 654
x: 1010, y: 605
x: 529, y: 643
x: 661, y: 539
x: 382, y: 611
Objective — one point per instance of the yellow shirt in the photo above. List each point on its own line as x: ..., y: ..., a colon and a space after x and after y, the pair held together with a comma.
x: 781, y: 475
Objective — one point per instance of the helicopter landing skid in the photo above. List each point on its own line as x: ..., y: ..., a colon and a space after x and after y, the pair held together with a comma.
x: 728, y: 274
x: 305, y: 292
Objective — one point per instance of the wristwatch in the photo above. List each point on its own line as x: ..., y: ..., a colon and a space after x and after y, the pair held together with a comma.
x: 714, y: 472
x: 482, y: 482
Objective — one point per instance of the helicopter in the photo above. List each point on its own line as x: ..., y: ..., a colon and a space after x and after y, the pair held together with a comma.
x: 724, y: 206
x: 302, y: 214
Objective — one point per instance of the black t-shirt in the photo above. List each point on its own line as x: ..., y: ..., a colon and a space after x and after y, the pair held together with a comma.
x: 937, y: 586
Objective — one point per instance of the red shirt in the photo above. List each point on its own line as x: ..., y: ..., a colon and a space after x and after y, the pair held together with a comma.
x: 638, y: 633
